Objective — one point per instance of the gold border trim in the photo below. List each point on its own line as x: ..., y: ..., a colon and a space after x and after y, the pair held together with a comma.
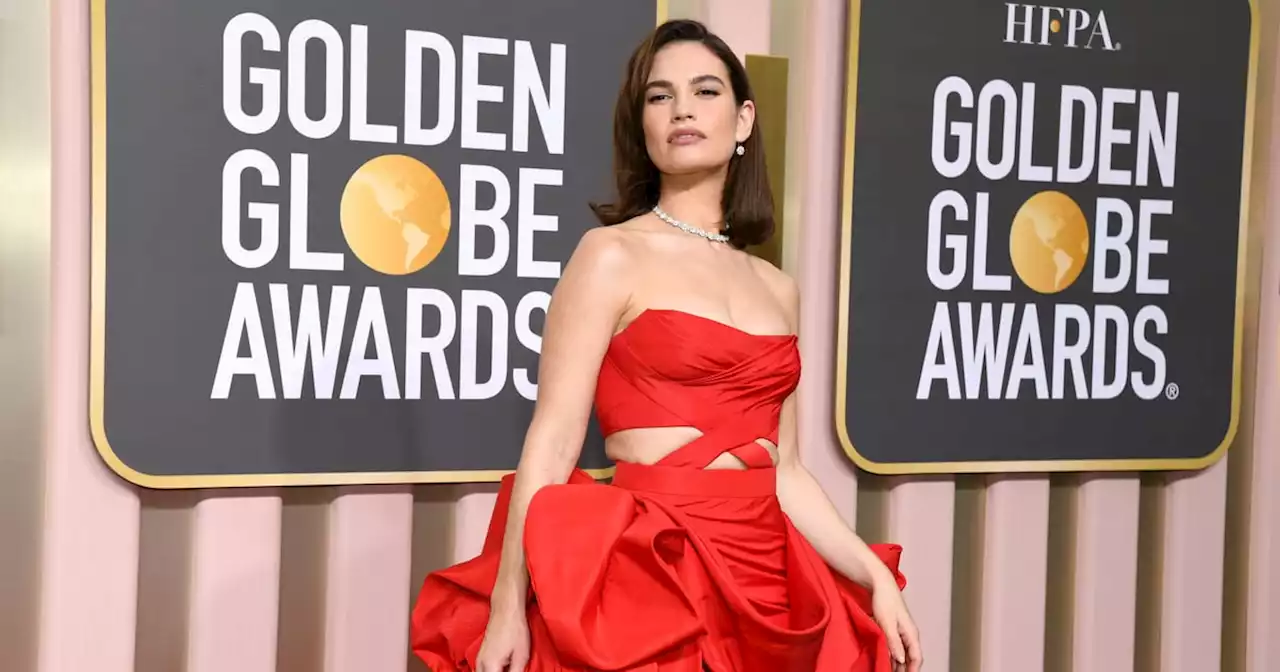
x: 842, y: 324
x: 97, y: 329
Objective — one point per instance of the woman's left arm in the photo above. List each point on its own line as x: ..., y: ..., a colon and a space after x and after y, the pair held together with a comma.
x: 813, y: 514
x: 817, y: 520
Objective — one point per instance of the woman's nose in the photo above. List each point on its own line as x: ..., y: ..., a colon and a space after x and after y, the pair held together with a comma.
x: 681, y: 110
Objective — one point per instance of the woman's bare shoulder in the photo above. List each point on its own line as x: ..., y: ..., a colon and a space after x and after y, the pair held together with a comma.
x: 603, y: 249
x: 640, y: 223
x: 781, y: 285
x: 599, y: 273
x: 616, y: 248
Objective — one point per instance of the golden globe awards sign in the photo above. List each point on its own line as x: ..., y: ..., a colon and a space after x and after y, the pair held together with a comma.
x: 1044, y: 214
x: 326, y: 233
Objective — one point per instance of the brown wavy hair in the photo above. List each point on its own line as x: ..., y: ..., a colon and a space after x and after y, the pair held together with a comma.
x: 747, y: 201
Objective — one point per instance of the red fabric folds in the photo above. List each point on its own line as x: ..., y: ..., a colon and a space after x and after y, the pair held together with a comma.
x: 644, y: 575
x: 672, y: 567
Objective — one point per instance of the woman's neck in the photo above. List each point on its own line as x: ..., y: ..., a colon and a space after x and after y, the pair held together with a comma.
x: 694, y: 200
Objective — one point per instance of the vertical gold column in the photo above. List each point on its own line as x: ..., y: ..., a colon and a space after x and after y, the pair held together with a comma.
x: 686, y: 9
x: 25, y: 184
x: 769, y: 80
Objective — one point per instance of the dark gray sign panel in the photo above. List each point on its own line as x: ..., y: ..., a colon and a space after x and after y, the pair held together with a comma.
x: 326, y: 232
x: 1044, y: 216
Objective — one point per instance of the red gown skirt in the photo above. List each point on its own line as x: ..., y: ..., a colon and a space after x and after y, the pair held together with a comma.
x: 666, y: 569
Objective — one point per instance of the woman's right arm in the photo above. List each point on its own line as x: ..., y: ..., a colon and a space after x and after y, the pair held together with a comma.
x: 586, y: 305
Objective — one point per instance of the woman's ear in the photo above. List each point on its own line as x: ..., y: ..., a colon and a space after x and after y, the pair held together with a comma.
x: 746, y: 120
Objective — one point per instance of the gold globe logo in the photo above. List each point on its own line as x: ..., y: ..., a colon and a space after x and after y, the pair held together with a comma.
x: 395, y: 214
x: 1049, y: 242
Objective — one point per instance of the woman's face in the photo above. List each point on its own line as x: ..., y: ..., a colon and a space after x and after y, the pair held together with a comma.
x: 691, y: 121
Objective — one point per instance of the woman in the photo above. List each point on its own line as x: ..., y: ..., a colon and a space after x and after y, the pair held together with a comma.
x: 712, y: 548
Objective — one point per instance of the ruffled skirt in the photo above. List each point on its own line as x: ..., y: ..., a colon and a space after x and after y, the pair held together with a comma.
x: 666, y: 569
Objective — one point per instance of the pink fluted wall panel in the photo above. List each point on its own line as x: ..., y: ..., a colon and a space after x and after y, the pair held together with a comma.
x: 1106, y: 576
x: 822, y: 114
x: 370, y: 545
x: 234, y: 608
x: 1015, y: 559
x: 1191, y: 589
x: 88, y: 582
x: 1262, y: 609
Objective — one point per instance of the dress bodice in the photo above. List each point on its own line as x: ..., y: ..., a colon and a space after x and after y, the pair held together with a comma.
x: 670, y: 368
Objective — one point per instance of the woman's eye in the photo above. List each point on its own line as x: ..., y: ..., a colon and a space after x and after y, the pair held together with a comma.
x: 708, y: 92
x: 657, y: 97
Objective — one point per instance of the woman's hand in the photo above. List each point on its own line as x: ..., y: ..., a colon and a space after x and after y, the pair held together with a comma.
x: 890, y: 611
x: 506, y: 643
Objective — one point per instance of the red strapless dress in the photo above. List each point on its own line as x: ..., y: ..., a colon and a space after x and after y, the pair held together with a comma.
x: 670, y: 567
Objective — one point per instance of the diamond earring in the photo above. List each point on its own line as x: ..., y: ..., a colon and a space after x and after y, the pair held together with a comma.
x: 740, y: 150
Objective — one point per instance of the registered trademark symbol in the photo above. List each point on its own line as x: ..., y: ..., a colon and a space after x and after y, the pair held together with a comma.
x: 1171, y: 391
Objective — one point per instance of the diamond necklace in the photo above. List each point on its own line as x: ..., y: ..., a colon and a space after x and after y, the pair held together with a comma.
x: 714, y: 237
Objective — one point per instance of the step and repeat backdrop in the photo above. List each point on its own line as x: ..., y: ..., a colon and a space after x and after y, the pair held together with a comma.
x: 326, y: 232
x: 1041, y: 266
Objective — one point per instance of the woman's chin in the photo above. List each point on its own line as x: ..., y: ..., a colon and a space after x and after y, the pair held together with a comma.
x: 690, y: 167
